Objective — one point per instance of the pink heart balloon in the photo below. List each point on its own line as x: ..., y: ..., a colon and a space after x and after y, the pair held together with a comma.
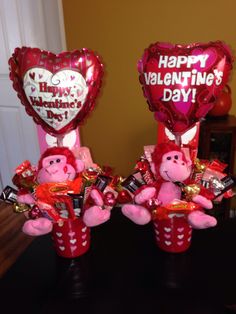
x: 58, y: 91
x: 182, y: 82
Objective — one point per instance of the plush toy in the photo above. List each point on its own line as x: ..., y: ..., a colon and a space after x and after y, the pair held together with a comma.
x: 170, y: 166
x: 57, y: 165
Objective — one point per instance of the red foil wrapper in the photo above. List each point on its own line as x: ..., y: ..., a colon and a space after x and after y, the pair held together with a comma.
x: 26, y: 176
x: 181, y: 207
x: 48, y: 195
x: 143, y: 167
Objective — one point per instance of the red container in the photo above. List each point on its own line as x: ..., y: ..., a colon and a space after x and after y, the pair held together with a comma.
x: 72, y: 238
x: 173, y: 234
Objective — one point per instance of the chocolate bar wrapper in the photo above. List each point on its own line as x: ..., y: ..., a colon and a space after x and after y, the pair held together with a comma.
x: 9, y: 195
x: 77, y: 202
x: 131, y: 184
x: 143, y: 167
x: 102, y: 182
x: 103, y: 185
x: 219, y: 187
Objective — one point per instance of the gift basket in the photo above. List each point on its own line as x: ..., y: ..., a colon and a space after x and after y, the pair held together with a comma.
x: 170, y: 186
x: 63, y: 194
x: 67, y: 208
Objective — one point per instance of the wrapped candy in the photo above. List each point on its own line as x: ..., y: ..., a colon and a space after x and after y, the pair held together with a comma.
x: 26, y: 176
x: 177, y: 206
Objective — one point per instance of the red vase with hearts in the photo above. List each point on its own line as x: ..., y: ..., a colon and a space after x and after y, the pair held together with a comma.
x: 173, y: 234
x: 71, y: 238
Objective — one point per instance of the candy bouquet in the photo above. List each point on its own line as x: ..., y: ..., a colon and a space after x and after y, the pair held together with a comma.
x: 63, y: 194
x: 171, y: 186
x: 67, y: 208
x: 179, y: 208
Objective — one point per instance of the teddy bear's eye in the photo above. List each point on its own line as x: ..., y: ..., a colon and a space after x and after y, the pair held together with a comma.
x: 168, y: 158
x: 176, y: 157
x: 58, y: 160
x: 51, y: 162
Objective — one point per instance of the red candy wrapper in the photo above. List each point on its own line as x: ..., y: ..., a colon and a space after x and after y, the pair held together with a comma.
x: 107, y: 191
x: 26, y: 176
x: 143, y: 167
x: 216, y: 181
x: 51, y: 196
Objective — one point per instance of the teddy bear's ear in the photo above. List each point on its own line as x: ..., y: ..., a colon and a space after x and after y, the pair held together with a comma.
x: 79, y: 165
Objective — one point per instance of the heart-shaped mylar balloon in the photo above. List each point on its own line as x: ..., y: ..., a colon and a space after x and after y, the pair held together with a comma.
x: 182, y: 82
x: 58, y: 91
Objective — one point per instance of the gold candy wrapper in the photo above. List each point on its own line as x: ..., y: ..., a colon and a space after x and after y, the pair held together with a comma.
x: 191, y: 190
x: 20, y: 208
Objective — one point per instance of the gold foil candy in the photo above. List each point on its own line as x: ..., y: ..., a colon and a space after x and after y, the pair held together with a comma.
x: 116, y: 183
x: 20, y: 208
x: 191, y: 190
x: 199, y: 167
x: 91, y: 174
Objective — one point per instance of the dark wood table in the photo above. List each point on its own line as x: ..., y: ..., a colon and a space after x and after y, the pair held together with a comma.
x: 124, y: 272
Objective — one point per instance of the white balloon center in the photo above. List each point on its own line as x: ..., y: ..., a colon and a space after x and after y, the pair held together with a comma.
x: 56, y: 98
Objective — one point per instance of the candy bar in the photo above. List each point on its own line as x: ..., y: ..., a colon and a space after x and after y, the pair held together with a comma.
x: 131, y: 184
x: 101, y: 182
x: 143, y: 167
x: 89, y: 178
x: 219, y: 187
x: 77, y: 201
x: 9, y: 195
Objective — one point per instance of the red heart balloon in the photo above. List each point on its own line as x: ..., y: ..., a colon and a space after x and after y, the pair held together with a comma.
x: 58, y: 91
x: 182, y: 82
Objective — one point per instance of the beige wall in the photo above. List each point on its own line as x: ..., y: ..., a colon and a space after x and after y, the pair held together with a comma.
x: 119, y: 31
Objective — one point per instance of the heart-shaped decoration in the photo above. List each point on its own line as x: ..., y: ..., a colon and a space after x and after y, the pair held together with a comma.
x: 58, y: 91
x: 84, y: 243
x: 182, y: 82
x: 73, y: 248
x: 72, y: 241
x: 180, y: 236
x: 59, y: 234
x: 84, y: 229
x: 167, y: 229
x: 180, y: 243
x: 168, y: 243
x: 167, y: 236
x: 62, y: 248
x: 180, y: 229
x: 71, y: 234
x: 155, y: 224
